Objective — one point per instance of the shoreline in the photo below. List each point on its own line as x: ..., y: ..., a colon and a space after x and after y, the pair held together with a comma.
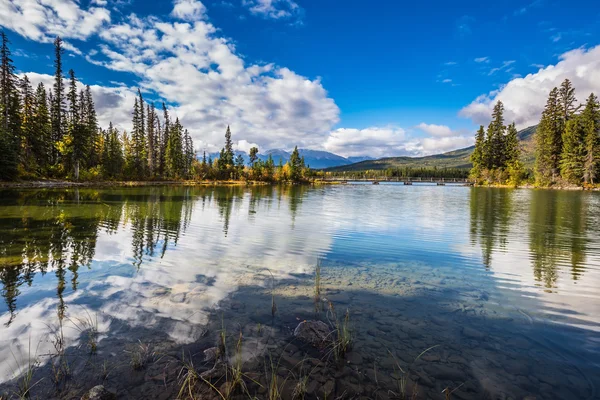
x: 61, y: 184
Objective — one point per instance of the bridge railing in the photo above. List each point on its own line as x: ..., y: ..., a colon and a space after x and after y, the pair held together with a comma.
x: 398, y: 179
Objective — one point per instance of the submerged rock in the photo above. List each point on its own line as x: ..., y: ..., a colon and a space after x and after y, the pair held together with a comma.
x: 211, y: 354
x: 99, y: 393
x: 218, y: 371
x: 315, y: 333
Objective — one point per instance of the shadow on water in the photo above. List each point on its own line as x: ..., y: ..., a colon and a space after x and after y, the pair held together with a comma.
x: 398, y: 307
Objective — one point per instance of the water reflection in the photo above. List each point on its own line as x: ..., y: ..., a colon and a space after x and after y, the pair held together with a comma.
x: 162, y: 258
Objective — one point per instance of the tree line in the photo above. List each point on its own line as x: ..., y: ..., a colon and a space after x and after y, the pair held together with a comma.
x: 567, y: 144
x: 54, y: 133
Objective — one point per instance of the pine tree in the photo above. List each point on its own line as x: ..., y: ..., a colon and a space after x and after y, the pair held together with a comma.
x: 591, y: 125
x: 478, y: 155
x: 150, y: 127
x: 76, y: 144
x: 573, y: 153
x: 253, y: 155
x: 58, y: 110
x: 513, y: 155
x: 10, y: 121
x: 239, y: 165
x: 228, y: 159
x: 548, y: 140
x: 164, y: 140
x: 29, y: 134
x: 174, y: 159
x: 138, y: 138
x: 495, y: 137
x: 295, y: 165
x: 91, y: 126
x: 567, y: 101
x: 42, y: 140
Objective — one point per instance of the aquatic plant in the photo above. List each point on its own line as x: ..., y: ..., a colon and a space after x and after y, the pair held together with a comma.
x: 88, y: 325
x: 140, y: 355
x: 25, y: 382
x: 318, y: 303
x: 402, y: 381
x: 448, y: 393
x: 188, y: 378
x: 343, y: 335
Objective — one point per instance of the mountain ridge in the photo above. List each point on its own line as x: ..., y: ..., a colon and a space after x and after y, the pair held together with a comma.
x: 452, y: 159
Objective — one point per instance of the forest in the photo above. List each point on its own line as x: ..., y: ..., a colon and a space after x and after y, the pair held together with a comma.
x: 567, y: 145
x: 53, y: 133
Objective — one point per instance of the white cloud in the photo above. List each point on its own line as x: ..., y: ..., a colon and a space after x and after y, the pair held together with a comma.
x: 43, y: 20
x: 189, y: 10
x: 482, y: 60
x: 244, y: 145
x: 377, y: 142
x: 524, y: 98
x: 208, y: 85
x: 437, y: 145
x: 275, y: 9
x: 435, y: 130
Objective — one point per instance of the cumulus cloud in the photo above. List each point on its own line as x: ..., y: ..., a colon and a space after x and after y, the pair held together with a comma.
x: 524, y: 98
x: 189, y: 10
x: 43, y: 20
x: 206, y: 83
x: 435, y: 130
x: 275, y: 9
x: 377, y: 142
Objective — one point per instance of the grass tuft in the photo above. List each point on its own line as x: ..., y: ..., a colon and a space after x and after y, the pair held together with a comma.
x: 140, y: 355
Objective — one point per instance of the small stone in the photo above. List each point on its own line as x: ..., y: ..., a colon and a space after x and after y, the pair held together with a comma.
x: 315, y: 333
x: 211, y: 354
x: 218, y: 371
x: 327, y: 389
x: 99, y: 393
x: 472, y: 333
x: 354, y: 358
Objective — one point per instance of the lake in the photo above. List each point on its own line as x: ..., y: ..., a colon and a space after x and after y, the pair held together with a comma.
x: 471, y: 292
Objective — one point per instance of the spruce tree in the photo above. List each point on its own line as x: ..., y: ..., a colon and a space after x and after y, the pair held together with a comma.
x: 573, y: 153
x: 228, y: 159
x: 91, y: 126
x: 591, y: 126
x: 150, y: 138
x: 29, y: 134
x: 10, y: 121
x: 548, y: 141
x: 478, y: 155
x: 495, y: 137
x: 567, y: 101
x: 58, y: 109
x: 42, y: 140
x: 164, y: 140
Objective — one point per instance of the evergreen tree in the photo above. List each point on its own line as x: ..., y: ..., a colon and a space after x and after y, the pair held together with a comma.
x: 591, y: 125
x: 164, y: 140
x: 228, y: 156
x: 567, y: 101
x: 138, y: 138
x: 174, y: 159
x: 548, y: 140
x: 90, y: 121
x: 75, y: 146
x: 495, y: 138
x: 478, y: 155
x: 41, y: 140
x: 296, y: 165
x: 253, y: 155
x: 513, y: 155
x: 10, y: 121
x: 239, y: 165
x: 150, y: 127
x: 573, y: 153
x: 58, y: 109
x: 29, y: 134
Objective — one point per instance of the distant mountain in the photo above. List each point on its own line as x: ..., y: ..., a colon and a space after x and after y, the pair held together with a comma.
x: 452, y: 159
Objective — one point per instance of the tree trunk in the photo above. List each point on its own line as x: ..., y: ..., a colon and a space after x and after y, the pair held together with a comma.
x: 77, y: 170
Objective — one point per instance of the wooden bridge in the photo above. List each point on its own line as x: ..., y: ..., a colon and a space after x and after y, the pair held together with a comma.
x: 406, y: 181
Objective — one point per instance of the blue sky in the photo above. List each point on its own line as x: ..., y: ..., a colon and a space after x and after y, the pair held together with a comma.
x: 374, y: 78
